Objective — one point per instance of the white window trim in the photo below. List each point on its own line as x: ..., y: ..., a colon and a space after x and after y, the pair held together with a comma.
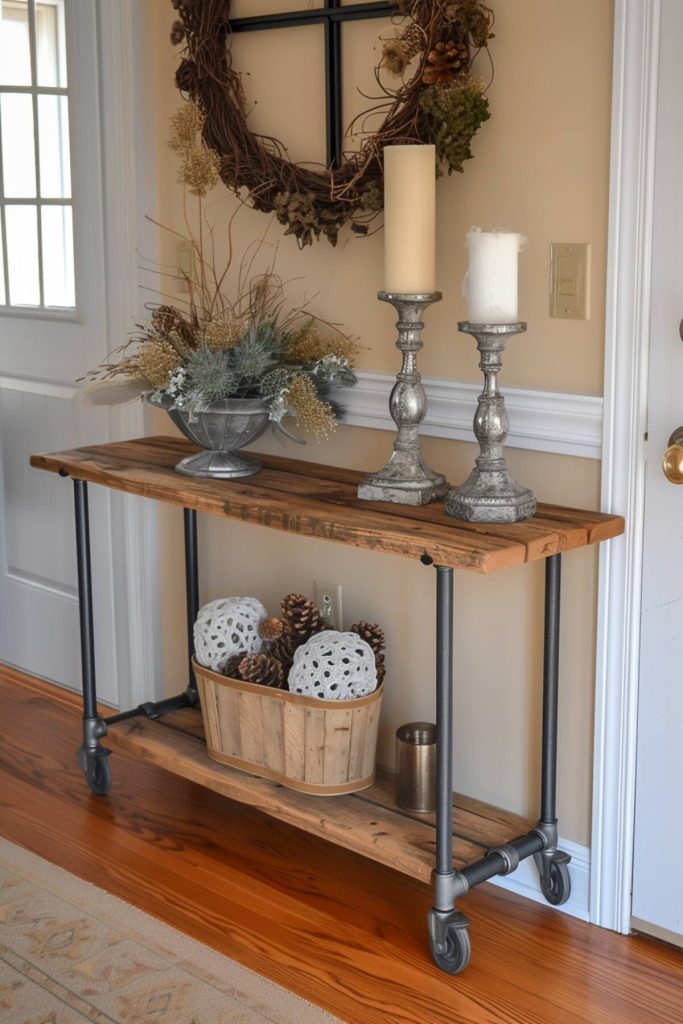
x: 34, y: 91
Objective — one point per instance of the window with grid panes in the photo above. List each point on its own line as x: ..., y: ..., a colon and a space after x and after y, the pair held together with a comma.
x: 36, y: 230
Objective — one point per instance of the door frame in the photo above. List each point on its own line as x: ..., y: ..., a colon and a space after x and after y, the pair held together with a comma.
x: 129, y: 173
x: 627, y: 341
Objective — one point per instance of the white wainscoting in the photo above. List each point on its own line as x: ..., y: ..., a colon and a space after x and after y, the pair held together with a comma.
x: 544, y: 421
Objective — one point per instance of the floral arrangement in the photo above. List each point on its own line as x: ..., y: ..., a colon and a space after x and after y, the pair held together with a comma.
x: 199, y: 353
x: 435, y: 97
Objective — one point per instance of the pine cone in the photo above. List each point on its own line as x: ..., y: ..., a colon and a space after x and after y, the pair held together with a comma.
x: 374, y: 636
x: 232, y: 666
x: 301, y: 618
x: 296, y: 608
x: 271, y: 629
x: 446, y: 63
x: 263, y: 669
x: 371, y: 633
x: 283, y: 650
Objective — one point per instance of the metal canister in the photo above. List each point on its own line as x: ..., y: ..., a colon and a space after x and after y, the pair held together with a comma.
x: 416, y: 766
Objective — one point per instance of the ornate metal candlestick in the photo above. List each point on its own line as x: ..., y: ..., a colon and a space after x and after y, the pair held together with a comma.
x: 490, y: 495
x: 407, y: 479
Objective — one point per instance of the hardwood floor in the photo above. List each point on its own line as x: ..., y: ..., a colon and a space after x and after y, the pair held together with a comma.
x: 341, y: 931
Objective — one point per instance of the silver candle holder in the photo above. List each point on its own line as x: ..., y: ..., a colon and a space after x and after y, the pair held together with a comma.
x: 407, y: 479
x: 490, y: 495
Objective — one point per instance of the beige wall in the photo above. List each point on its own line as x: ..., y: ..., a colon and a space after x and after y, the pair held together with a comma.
x: 541, y: 167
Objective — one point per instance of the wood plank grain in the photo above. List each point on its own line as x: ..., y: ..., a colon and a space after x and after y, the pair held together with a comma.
x: 294, y: 724
x: 532, y: 532
x: 337, y: 747
x: 320, y: 501
x: 273, y: 714
x: 314, y: 745
x: 401, y: 843
x: 251, y: 727
x: 481, y: 824
x: 228, y: 712
x: 212, y: 727
x: 359, y: 725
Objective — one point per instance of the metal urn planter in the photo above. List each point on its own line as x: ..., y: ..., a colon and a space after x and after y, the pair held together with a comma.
x: 221, y: 430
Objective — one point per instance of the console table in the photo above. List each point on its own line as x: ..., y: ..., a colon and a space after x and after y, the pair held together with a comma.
x: 465, y: 842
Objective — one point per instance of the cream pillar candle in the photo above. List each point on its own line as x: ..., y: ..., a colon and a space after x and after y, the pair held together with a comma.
x: 409, y: 219
x: 491, y: 282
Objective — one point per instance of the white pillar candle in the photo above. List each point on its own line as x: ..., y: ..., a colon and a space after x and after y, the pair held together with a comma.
x: 491, y: 282
x: 409, y: 219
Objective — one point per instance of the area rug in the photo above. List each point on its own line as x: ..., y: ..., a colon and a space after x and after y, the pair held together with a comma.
x: 70, y: 953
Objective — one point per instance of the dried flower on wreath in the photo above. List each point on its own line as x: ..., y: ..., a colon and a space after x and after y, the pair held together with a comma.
x: 431, y: 49
x: 446, y: 63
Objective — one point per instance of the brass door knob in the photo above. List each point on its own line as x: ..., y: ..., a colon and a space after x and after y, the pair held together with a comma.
x: 672, y: 463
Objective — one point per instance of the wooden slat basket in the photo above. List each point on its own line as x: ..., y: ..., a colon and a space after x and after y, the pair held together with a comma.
x: 325, y: 747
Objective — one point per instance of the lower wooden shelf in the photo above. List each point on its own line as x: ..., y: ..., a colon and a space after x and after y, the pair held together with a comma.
x: 369, y: 823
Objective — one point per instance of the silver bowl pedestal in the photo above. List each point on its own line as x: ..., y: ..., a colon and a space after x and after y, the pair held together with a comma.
x: 490, y: 495
x: 220, y: 431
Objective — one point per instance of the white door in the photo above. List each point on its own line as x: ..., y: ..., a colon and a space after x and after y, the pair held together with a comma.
x: 53, y: 328
x: 658, y: 877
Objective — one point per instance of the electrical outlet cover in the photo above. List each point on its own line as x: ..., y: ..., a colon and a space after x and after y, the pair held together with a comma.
x: 328, y: 597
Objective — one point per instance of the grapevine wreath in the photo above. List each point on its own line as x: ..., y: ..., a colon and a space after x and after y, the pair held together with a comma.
x: 436, y: 100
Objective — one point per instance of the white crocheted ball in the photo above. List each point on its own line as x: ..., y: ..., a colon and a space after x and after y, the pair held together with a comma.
x: 227, y: 627
x: 334, y: 666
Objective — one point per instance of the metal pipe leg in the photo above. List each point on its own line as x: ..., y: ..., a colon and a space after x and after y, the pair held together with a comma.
x: 551, y: 862
x: 91, y: 755
x: 85, y: 599
x: 448, y: 938
x: 191, y: 592
x: 444, y: 721
x: 551, y: 662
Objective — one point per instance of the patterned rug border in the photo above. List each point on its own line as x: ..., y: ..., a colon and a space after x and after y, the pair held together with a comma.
x: 116, y: 913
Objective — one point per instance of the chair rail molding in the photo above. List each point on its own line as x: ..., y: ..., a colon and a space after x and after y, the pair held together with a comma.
x: 545, y: 421
x: 630, y: 251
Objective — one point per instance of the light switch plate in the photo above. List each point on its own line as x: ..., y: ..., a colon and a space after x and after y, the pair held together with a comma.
x: 570, y: 267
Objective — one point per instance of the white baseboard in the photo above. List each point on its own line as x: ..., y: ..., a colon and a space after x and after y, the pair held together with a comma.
x: 546, y: 421
x: 524, y: 881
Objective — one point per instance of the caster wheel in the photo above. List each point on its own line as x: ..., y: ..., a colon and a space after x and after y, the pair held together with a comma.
x: 450, y: 944
x: 557, y: 886
x: 96, y: 769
